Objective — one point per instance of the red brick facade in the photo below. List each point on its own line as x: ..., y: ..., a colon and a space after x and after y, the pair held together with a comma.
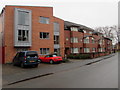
x: 9, y: 50
x: 99, y: 47
x: 37, y: 27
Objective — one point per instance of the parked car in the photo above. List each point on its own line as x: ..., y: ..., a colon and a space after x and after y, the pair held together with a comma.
x: 52, y: 58
x: 25, y: 58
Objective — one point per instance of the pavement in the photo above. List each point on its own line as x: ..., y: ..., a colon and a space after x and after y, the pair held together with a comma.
x: 12, y: 74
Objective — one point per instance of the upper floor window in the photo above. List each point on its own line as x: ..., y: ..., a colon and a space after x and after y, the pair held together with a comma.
x: 23, y: 18
x: 44, y: 35
x: 93, y: 40
x: 44, y: 20
x: 56, y: 27
x: 84, y: 31
x: 23, y: 35
x: 86, y: 40
x: 74, y: 40
x: 100, y: 41
x: 67, y: 38
x: 74, y: 29
x: 90, y: 32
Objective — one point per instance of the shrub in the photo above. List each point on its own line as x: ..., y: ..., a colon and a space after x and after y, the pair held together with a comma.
x: 65, y: 60
x: 79, y: 56
x: 85, y: 56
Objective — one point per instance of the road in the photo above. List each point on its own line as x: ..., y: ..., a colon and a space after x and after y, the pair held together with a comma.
x: 103, y: 74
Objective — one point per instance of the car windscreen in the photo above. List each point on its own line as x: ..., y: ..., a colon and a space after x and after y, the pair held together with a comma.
x: 54, y: 55
x: 31, y: 54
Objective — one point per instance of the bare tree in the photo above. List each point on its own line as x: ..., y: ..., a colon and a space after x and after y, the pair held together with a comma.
x: 109, y: 32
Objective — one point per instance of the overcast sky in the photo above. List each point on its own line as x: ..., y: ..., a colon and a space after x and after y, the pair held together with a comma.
x: 91, y: 13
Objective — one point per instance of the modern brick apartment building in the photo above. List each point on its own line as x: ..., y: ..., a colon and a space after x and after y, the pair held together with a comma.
x: 35, y: 28
x: 30, y: 28
x: 84, y: 40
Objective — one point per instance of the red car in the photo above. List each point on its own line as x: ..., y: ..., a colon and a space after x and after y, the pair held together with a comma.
x: 51, y: 59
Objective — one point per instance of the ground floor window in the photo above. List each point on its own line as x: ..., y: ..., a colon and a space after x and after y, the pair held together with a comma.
x: 93, y: 49
x: 86, y: 50
x: 74, y: 50
x: 44, y: 51
x: 100, y: 50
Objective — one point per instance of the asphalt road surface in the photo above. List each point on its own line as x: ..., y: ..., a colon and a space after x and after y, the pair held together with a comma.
x: 103, y: 74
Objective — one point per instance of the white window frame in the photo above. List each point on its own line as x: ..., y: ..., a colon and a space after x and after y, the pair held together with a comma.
x: 46, y: 20
x: 44, y: 51
x: 74, y: 29
x: 74, y: 40
x: 74, y: 50
x: 41, y: 37
x: 86, y: 50
x: 87, y: 40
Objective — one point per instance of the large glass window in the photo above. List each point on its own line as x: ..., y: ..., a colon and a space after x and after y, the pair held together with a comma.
x: 44, y: 20
x: 23, y: 35
x: 44, y: 51
x: 44, y: 35
x: 23, y: 18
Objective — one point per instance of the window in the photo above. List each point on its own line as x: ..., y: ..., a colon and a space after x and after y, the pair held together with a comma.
x: 100, y: 41
x: 74, y: 29
x: 93, y: 49
x: 86, y: 40
x: 74, y: 50
x: 21, y: 54
x: 86, y: 50
x: 56, y: 39
x: 100, y: 50
x: 67, y: 39
x: 90, y: 32
x: 56, y: 27
x: 23, y: 35
x: 44, y: 35
x: 84, y: 31
x: 93, y: 40
x: 74, y: 40
x: 44, y: 20
x: 23, y: 18
x: 44, y: 51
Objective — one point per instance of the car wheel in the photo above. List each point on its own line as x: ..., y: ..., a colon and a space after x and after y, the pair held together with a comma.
x: 51, y: 61
x: 22, y: 65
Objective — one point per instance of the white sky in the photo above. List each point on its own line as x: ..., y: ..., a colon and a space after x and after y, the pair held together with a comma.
x: 91, y: 13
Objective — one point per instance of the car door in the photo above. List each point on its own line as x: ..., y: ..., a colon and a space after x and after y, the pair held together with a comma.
x: 21, y: 57
x: 15, y: 60
x: 46, y: 58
